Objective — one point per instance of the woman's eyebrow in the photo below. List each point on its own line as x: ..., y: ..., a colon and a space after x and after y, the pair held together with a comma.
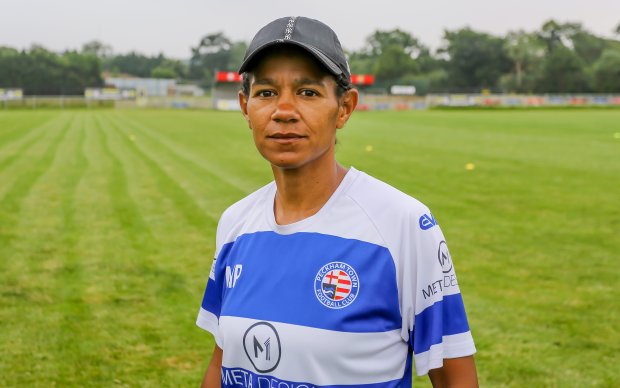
x: 298, y: 82
x: 263, y: 81
x: 309, y: 81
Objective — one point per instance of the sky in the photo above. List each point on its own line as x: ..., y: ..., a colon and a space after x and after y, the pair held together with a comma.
x: 173, y: 27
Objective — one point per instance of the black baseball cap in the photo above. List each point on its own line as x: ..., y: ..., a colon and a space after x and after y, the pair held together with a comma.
x: 312, y: 35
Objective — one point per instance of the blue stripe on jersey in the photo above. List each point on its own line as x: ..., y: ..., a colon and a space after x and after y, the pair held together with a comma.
x: 445, y: 317
x: 407, y: 380
x: 277, y: 282
x: 239, y: 377
x: 212, y: 299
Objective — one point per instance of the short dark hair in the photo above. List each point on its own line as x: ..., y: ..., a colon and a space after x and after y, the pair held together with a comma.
x: 342, y: 86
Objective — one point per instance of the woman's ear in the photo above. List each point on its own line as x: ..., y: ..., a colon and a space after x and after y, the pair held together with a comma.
x: 243, y: 103
x: 347, y: 104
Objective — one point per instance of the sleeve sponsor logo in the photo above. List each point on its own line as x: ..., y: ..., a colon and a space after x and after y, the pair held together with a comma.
x: 449, y: 277
x: 261, y: 343
x: 336, y: 285
x: 438, y: 286
x: 443, y: 255
x: 427, y: 221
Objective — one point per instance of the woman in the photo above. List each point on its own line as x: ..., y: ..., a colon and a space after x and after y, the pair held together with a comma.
x: 326, y: 276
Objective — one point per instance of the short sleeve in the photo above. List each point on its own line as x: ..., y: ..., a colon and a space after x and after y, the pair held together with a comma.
x: 209, y: 313
x: 438, y: 326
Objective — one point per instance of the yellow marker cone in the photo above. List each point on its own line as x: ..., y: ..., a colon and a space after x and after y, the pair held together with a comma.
x: 369, y: 148
x: 470, y: 166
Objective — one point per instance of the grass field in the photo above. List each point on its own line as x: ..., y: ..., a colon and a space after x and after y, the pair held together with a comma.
x: 107, y: 224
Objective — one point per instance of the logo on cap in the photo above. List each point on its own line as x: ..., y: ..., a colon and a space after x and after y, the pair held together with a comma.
x: 288, y: 30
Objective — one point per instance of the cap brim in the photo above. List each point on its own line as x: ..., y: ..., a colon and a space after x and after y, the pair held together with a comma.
x: 322, y: 58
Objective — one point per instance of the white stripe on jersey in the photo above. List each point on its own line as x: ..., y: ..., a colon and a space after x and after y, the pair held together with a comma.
x: 453, y: 346
x: 316, y: 364
x: 209, y: 322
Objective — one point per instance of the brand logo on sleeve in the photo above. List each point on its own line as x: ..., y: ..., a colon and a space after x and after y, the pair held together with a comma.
x: 427, y: 221
x: 336, y: 285
x: 232, y: 274
x: 443, y: 255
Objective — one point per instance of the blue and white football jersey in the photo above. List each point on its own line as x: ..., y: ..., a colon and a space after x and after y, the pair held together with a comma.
x: 346, y: 297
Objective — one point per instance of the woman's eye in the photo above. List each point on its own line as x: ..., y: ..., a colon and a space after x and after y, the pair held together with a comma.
x: 308, y: 93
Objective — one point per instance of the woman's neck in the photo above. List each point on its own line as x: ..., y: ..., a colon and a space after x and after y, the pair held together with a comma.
x: 302, y: 192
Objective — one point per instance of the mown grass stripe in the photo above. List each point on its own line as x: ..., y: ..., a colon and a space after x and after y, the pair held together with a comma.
x: 21, y: 128
x: 70, y: 281
x: 25, y: 277
x: 125, y: 207
x: 74, y: 172
x: 145, y: 279
x: 74, y: 167
x: 10, y: 204
x: 21, y: 150
x: 211, y: 193
x: 184, y: 202
x: 48, y: 253
x: 202, y: 168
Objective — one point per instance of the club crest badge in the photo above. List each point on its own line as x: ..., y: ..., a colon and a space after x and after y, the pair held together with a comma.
x: 336, y: 285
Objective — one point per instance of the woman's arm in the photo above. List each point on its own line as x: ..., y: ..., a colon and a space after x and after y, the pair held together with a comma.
x: 213, y: 376
x: 456, y: 372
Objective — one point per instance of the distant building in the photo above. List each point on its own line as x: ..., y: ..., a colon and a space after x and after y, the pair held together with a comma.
x: 188, y: 90
x: 153, y: 87
x: 145, y: 87
x: 225, y: 90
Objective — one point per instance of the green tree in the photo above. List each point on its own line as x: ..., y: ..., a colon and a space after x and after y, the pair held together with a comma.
x: 39, y: 71
x: 132, y: 63
x: 379, y: 41
x: 607, y: 72
x: 237, y: 52
x: 525, y: 51
x: 163, y: 72
x: 562, y: 72
x: 361, y: 62
x: 97, y: 49
x: 140, y: 65
x: 558, y: 35
x: 80, y: 71
x: 393, y: 64
x: 214, y: 52
x: 392, y: 56
x: 429, y: 63
x: 11, y: 67
x: 587, y: 46
x: 476, y: 60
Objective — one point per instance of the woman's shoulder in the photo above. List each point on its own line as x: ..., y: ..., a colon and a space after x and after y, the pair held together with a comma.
x: 379, y: 198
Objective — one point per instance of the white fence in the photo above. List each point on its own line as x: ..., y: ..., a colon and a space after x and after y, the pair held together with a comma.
x: 520, y: 100
x: 367, y: 102
x: 71, y: 102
